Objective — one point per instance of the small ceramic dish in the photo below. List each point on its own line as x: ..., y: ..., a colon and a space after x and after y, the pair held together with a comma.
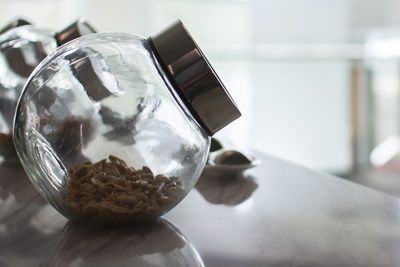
x: 230, y: 161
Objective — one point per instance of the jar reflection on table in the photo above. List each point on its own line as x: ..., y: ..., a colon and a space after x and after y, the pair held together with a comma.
x: 157, y: 244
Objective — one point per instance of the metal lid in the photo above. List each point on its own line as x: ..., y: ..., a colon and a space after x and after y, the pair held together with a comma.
x: 13, y: 24
x: 193, y: 78
x: 77, y: 29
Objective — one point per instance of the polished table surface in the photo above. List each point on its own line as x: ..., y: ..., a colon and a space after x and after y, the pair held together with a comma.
x: 277, y: 214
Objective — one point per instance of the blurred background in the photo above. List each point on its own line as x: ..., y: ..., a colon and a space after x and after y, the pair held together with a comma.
x: 317, y: 81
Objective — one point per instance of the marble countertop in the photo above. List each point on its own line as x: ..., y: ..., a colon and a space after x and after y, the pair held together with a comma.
x: 277, y: 214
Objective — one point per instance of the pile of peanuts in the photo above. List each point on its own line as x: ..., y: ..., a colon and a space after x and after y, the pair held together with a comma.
x: 110, y: 191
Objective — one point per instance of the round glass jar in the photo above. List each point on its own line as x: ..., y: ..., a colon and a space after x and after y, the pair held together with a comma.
x: 21, y: 50
x: 116, y: 128
x: 13, y: 24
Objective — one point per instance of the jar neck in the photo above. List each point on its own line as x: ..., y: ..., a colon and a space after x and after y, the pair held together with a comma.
x: 171, y: 85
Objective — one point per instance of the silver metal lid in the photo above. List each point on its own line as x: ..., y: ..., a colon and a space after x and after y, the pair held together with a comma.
x: 193, y: 78
x: 77, y: 29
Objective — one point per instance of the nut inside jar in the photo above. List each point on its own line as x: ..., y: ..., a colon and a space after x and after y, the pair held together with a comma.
x: 110, y: 191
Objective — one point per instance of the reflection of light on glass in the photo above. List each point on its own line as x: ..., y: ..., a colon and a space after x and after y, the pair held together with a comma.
x: 385, y: 151
x: 47, y: 221
x: 50, y: 164
x: 4, y: 128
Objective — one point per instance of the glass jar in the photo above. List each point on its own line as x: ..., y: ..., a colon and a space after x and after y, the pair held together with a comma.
x: 116, y: 128
x: 13, y: 24
x: 21, y: 50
